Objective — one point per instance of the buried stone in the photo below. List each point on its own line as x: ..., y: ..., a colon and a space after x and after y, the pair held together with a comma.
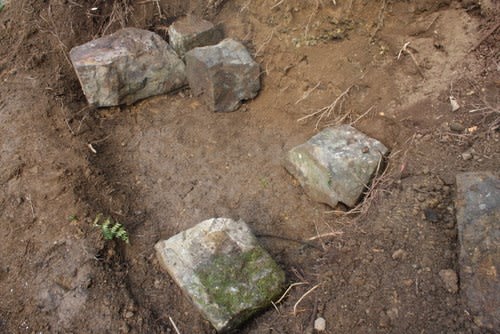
x: 221, y: 267
x: 478, y: 223
x: 336, y: 165
x: 127, y: 66
x: 223, y: 75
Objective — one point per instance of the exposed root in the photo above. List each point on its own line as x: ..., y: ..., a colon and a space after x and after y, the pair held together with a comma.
x: 380, y: 21
x: 304, y: 296
x: 406, y: 49
x: 325, y: 112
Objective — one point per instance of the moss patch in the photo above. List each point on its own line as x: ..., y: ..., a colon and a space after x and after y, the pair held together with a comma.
x: 242, y: 283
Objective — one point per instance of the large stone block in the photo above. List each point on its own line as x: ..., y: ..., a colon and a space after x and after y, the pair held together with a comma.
x: 478, y: 222
x: 224, y: 271
x: 223, y: 75
x: 191, y: 32
x: 127, y: 66
x: 336, y: 164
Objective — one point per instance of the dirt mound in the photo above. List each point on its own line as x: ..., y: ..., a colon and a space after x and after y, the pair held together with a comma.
x: 165, y: 164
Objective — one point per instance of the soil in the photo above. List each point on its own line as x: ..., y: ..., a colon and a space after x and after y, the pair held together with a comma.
x: 166, y: 163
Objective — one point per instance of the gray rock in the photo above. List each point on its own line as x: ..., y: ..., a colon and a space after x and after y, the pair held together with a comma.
x: 223, y: 75
x: 127, y: 66
x: 224, y: 271
x: 336, y: 164
x: 191, y: 32
x: 478, y: 222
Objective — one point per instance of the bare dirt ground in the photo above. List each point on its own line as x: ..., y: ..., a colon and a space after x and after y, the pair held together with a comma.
x: 166, y: 163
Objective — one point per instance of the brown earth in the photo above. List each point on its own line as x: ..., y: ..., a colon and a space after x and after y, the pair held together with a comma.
x: 166, y: 163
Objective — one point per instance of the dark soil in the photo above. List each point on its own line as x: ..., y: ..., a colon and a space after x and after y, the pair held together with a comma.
x: 166, y: 163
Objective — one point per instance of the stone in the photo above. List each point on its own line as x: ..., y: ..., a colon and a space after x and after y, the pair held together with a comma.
x: 127, y: 66
x: 467, y: 155
x: 190, y: 32
x: 221, y: 267
x: 223, y: 75
x: 450, y: 280
x: 400, y: 254
x: 478, y: 222
x: 336, y: 164
x: 320, y: 324
x: 456, y: 127
x: 454, y: 104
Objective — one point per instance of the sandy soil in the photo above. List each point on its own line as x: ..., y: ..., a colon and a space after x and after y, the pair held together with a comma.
x: 166, y: 163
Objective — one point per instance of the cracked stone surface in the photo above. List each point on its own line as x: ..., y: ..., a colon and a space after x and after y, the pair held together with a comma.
x: 336, y: 164
x: 223, y: 75
x: 478, y: 222
x: 221, y: 267
x: 127, y: 66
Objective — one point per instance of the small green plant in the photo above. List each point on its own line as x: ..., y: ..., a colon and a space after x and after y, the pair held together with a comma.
x: 73, y: 218
x: 111, y: 230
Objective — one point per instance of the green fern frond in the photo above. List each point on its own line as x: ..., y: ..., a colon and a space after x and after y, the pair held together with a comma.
x: 111, y: 230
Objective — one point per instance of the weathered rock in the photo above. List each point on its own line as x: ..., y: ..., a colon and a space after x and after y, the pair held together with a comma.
x: 336, y: 164
x: 223, y: 75
x: 478, y: 222
x: 191, y: 32
x: 224, y: 271
x: 450, y: 280
x: 127, y: 66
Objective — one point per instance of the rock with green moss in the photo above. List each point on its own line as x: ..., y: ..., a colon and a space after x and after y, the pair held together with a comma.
x: 221, y: 267
x: 336, y: 165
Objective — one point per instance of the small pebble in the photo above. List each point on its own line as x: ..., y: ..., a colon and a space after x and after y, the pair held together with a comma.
x: 129, y: 315
x: 400, y: 254
x: 467, y: 156
x: 454, y: 104
x: 320, y: 324
x: 456, y: 127
x: 450, y: 280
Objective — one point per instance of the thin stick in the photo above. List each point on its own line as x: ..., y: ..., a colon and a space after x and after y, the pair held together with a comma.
x: 303, y: 296
x: 329, y: 234
x: 174, y: 325
x: 277, y: 4
x: 288, y: 290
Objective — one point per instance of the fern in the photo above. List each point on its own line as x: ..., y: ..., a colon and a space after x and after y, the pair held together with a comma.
x: 111, y: 230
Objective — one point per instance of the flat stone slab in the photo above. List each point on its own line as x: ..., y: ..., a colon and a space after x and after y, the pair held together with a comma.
x: 478, y: 222
x: 222, y: 75
x: 127, y: 66
x: 336, y: 164
x: 221, y: 267
x: 191, y: 32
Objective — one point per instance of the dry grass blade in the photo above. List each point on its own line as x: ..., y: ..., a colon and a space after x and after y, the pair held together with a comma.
x: 304, y: 296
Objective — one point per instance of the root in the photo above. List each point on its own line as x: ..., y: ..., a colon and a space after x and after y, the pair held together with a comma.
x: 326, y: 111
